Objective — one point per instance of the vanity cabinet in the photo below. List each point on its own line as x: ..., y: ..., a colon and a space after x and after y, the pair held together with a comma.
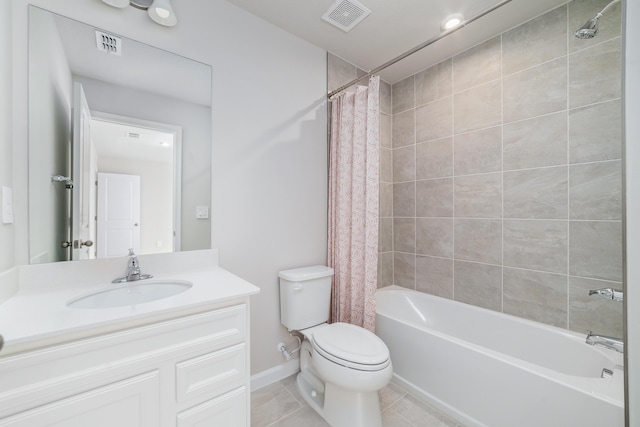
x: 187, y: 371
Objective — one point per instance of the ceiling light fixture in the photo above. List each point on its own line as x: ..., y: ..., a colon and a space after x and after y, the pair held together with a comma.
x: 452, y: 21
x: 160, y: 11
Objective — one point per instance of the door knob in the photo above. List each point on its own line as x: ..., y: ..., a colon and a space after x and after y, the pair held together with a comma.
x: 65, y: 244
x: 77, y: 244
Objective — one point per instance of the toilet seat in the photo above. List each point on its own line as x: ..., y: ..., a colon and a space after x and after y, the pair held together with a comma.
x: 351, y: 346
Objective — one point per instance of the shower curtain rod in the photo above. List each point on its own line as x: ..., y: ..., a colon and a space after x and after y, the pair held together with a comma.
x: 416, y: 49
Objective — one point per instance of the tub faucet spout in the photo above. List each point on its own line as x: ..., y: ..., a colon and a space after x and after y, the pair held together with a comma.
x: 604, y: 341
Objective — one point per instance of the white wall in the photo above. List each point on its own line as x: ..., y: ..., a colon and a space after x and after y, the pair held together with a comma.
x: 156, y: 199
x: 632, y: 211
x: 269, y: 150
x: 196, y: 145
x: 6, y: 126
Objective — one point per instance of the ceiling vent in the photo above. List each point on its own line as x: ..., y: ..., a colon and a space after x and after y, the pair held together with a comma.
x: 346, y: 14
x: 108, y: 43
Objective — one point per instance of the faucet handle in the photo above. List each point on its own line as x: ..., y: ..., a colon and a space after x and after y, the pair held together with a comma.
x: 609, y: 293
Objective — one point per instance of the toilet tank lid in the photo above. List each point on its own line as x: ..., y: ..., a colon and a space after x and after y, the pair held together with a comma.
x: 306, y: 273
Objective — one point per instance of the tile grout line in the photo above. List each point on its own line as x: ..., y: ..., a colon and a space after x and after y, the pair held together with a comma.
x: 568, y: 122
x: 453, y: 192
x: 415, y: 186
x: 502, y: 170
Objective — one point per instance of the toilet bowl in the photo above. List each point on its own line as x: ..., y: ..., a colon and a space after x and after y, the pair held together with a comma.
x: 342, y: 366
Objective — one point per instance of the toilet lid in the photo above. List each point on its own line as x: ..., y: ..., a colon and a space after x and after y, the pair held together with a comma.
x: 351, y: 346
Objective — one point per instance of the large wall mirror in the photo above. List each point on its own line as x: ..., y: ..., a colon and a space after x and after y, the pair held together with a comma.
x: 119, y: 144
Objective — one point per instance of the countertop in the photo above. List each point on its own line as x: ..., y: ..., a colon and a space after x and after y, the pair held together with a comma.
x: 37, y: 317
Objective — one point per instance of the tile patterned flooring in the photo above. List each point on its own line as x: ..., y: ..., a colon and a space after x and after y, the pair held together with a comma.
x: 281, y: 405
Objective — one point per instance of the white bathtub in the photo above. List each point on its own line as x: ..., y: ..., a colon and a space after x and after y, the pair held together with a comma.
x: 490, y: 369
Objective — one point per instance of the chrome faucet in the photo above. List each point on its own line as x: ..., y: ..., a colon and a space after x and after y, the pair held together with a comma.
x: 133, y: 270
x: 608, y: 293
x: 607, y: 342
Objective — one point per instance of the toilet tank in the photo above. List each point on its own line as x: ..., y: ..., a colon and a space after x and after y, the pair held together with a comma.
x: 305, y: 296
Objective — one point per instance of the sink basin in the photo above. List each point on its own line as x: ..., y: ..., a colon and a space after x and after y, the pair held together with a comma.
x: 131, y: 293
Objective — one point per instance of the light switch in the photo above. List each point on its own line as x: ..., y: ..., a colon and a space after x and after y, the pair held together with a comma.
x: 7, y: 205
x: 202, y: 212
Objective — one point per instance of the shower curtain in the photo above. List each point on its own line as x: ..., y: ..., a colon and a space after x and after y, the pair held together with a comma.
x: 353, y: 204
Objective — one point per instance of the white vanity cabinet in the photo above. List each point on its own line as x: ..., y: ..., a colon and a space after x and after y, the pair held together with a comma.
x: 187, y: 371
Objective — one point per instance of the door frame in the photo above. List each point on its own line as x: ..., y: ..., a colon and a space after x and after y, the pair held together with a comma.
x: 177, y: 162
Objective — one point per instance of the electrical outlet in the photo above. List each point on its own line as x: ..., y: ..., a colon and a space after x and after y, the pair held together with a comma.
x: 202, y: 212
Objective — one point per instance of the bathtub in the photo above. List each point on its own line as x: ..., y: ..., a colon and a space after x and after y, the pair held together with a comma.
x: 491, y: 369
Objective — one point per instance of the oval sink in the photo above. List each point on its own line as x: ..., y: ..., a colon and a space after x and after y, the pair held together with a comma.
x: 131, y: 293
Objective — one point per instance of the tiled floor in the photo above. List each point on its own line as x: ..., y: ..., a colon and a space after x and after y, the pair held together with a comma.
x: 281, y: 405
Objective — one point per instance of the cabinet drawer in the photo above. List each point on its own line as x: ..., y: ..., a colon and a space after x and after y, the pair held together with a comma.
x: 211, y: 374
x: 227, y: 410
x: 132, y: 402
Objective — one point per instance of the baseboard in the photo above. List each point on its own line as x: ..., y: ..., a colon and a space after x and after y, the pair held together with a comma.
x: 275, y: 374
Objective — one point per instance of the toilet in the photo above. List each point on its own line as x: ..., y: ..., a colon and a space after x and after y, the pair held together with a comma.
x: 342, y: 366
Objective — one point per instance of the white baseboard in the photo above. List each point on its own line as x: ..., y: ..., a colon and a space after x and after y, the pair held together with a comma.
x: 275, y: 374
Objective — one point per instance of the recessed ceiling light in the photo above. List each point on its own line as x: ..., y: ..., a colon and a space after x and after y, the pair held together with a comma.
x: 452, y: 21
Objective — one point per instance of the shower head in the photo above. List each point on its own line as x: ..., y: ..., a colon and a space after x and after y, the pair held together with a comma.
x: 590, y: 29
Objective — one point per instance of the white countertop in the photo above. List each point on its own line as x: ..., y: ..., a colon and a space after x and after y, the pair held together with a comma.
x: 36, y: 317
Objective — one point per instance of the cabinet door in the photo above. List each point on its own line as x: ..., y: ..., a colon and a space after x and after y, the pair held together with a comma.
x: 128, y: 403
x: 224, y: 411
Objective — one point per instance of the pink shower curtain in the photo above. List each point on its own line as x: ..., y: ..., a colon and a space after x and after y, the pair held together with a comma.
x: 353, y: 204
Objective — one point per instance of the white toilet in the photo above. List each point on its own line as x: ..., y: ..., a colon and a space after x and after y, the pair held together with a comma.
x: 342, y: 366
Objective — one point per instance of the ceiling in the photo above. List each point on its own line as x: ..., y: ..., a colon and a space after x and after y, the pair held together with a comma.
x: 139, y: 66
x: 114, y: 140
x: 396, y: 26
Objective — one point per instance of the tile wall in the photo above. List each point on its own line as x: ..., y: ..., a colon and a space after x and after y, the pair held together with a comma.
x: 501, y: 182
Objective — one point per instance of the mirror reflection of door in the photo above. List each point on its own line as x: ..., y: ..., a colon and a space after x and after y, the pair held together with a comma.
x: 84, y: 172
x: 138, y: 195
x: 118, y: 216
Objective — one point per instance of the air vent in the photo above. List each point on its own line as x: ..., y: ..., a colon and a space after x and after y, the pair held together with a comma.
x: 346, y: 14
x: 108, y: 43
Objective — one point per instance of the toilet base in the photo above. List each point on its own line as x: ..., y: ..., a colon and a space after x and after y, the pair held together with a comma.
x: 341, y: 407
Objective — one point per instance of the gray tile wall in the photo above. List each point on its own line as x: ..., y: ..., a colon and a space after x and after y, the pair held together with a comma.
x: 501, y: 174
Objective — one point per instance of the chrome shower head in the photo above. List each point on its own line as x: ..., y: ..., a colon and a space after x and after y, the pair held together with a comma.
x: 588, y: 30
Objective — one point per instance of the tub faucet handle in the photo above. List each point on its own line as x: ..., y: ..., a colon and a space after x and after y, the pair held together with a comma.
x: 608, y: 293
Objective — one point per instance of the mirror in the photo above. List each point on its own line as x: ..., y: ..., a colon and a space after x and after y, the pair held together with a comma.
x: 119, y: 144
